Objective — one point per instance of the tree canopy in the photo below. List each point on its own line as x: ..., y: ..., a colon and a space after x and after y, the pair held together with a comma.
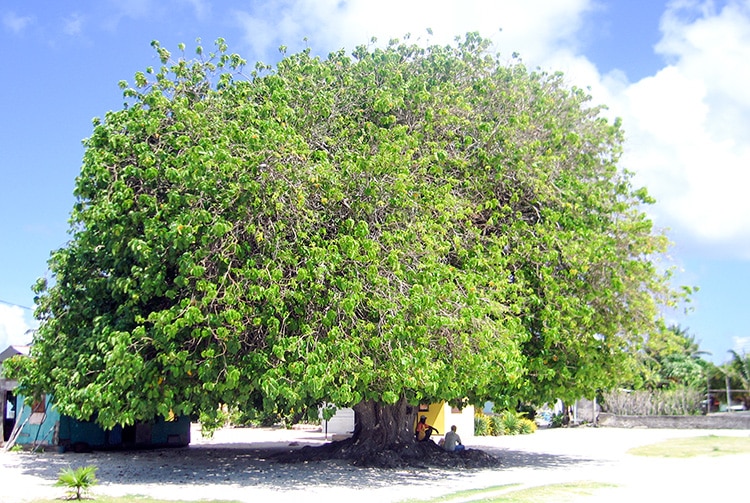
x: 402, y: 224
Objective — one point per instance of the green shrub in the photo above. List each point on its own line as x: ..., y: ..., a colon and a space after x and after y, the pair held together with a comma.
x: 527, y: 411
x: 78, y: 481
x: 507, y: 422
x: 496, y: 425
x: 482, y: 425
x: 557, y: 420
x: 526, y: 426
x: 511, y: 421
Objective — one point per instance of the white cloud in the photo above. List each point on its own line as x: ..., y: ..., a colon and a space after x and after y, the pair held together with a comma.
x: 13, y: 326
x: 73, y: 24
x: 687, y: 125
x: 201, y: 8
x: 259, y: 34
x: 134, y: 9
x: 741, y: 345
x: 16, y: 23
x: 530, y: 26
x: 131, y: 9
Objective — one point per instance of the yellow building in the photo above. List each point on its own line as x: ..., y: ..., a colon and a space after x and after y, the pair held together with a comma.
x: 439, y: 415
x: 442, y: 416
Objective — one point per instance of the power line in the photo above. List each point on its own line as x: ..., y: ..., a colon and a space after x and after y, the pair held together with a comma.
x: 14, y: 304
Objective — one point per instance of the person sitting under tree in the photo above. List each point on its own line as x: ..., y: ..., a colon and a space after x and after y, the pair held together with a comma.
x: 424, y: 430
x: 452, y: 441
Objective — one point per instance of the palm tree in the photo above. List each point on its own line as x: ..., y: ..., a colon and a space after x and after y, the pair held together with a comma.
x: 78, y: 481
x: 672, y: 357
x: 740, y: 368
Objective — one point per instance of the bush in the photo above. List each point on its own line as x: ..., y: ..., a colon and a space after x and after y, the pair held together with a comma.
x: 506, y: 423
x: 78, y: 481
x: 496, y: 425
x: 527, y: 411
x: 526, y: 426
x: 482, y: 425
x: 510, y: 421
x: 557, y: 420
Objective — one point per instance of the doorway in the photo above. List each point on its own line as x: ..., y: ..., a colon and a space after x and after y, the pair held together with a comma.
x: 9, y: 414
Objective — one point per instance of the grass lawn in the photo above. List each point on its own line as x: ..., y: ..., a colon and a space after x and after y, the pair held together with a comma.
x: 559, y: 493
x: 711, y: 445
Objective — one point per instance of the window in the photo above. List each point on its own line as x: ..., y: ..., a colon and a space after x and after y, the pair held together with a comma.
x: 38, y: 411
x: 39, y: 406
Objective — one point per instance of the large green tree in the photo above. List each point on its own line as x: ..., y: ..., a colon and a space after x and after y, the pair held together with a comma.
x: 375, y: 230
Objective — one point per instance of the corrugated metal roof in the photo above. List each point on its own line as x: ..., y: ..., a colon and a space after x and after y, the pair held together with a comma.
x: 13, y: 351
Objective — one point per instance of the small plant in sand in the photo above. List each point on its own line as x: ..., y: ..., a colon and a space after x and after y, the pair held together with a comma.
x: 78, y: 481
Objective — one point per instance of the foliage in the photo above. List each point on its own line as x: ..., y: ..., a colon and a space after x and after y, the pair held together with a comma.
x: 497, y: 426
x: 558, y: 420
x: 505, y: 423
x: 510, y: 421
x: 482, y: 426
x: 401, y: 225
x: 671, y: 358
x: 526, y: 426
x: 265, y: 418
x: 527, y: 410
x: 15, y: 367
x: 515, y: 423
x: 663, y: 402
x: 78, y: 480
x: 739, y: 368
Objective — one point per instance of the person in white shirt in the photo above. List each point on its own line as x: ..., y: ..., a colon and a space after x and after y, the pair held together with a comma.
x: 453, y: 441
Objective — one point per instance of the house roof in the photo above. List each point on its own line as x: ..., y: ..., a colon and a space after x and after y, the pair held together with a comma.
x: 13, y: 351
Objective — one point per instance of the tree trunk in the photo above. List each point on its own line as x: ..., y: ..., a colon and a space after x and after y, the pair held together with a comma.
x: 384, y: 435
x: 382, y: 426
x: 384, y: 438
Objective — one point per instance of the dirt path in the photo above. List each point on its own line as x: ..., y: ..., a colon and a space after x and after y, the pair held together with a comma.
x: 234, y: 465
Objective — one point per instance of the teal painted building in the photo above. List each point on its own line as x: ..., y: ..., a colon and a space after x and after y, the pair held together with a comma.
x: 40, y: 425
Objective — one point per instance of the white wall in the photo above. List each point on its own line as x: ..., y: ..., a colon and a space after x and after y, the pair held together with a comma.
x: 464, y: 421
x: 340, y: 424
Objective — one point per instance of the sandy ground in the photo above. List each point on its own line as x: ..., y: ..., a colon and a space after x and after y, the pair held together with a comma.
x: 233, y: 465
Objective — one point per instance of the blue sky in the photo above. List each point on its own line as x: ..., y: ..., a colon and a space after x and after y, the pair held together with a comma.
x: 676, y: 72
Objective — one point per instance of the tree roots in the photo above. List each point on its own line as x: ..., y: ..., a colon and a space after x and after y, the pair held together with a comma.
x: 414, y: 454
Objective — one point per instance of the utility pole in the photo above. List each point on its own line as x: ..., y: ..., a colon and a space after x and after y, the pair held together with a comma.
x: 729, y: 393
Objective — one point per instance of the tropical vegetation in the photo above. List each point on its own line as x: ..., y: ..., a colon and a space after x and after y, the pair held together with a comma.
x: 78, y: 480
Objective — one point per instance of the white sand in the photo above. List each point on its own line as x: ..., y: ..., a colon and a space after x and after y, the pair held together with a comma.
x: 232, y: 466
